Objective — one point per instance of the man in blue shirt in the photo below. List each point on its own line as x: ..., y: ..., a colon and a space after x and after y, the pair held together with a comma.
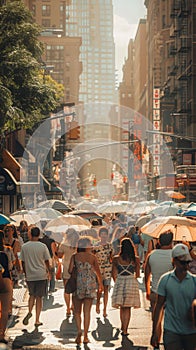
x: 176, y: 291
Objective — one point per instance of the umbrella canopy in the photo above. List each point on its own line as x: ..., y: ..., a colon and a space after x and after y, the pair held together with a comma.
x: 111, y: 207
x: 47, y: 213
x: 55, y: 204
x: 30, y: 216
x: 175, y: 195
x: 190, y: 213
x: 86, y: 214
x: 141, y: 208
x: 192, y: 206
x: 85, y: 205
x: 4, y: 220
x: 62, y: 223
x: 180, y: 226
x: 165, y: 210
x: 143, y: 220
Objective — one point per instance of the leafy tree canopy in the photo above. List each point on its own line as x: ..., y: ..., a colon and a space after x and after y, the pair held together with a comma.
x: 25, y: 95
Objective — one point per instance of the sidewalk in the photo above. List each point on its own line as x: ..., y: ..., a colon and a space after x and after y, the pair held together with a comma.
x: 59, y: 331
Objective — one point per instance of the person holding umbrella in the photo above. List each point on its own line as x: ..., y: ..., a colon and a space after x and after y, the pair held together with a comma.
x: 176, y: 292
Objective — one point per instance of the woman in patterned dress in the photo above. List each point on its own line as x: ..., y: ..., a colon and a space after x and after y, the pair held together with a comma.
x: 125, y: 271
x: 88, y: 274
x: 103, y: 251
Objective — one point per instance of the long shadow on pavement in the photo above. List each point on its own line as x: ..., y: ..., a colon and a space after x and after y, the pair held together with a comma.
x: 28, y: 338
x: 67, y: 332
x: 105, y: 332
x: 126, y: 344
x: 48, y: 303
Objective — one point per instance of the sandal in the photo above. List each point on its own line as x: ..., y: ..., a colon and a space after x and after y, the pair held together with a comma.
x: 86, y: 340
x: 26, y: 319
x: 38, y: 324
x: 124, y: 334
x: 78, y: 338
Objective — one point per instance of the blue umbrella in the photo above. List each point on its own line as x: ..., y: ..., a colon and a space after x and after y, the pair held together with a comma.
x: 4, y: 219
x: 190, y: 213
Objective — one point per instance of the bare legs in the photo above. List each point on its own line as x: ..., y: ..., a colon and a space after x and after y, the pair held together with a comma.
x: 87, y: 304
x: 67, y: 299
x: 105, y: 301
x: 5, y: 301
x: 125, y: 315
x: 38, y: 302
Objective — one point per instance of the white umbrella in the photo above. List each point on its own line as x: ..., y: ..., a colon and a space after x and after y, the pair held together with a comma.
x: 28, y: 215
x: 47, y: 213
x: 142, y: 208
x: 180, y: 226
x: 111, y: 207
x: 142, y: 220
x: 86, y: 205
x: 165, y: 210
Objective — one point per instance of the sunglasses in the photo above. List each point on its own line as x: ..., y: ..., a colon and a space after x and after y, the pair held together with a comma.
x: 183, y: 262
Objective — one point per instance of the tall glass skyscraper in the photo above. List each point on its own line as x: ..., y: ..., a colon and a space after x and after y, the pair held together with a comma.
x: 92, y: 20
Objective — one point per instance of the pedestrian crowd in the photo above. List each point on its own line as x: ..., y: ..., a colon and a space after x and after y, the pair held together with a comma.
x: 114, y: 251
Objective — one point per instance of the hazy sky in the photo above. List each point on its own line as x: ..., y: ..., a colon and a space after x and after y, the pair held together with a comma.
x: 127, y: 14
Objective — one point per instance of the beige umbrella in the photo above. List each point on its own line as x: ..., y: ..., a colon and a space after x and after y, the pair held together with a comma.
x: 181, y: 227
x: 62, y: 223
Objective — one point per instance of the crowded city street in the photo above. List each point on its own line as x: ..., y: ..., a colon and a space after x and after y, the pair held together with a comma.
x: 97, y: 174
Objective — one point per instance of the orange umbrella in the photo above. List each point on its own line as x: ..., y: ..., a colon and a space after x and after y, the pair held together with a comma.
x: 175, y: 195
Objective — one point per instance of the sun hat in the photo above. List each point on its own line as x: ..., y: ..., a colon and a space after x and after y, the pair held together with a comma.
x: 181, y: 252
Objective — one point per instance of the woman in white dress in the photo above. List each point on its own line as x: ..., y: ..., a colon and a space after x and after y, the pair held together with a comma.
x: 125, y: 271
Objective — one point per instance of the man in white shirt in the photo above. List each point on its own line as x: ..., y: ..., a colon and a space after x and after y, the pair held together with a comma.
x: 158, y: 261
x: 35, y: 262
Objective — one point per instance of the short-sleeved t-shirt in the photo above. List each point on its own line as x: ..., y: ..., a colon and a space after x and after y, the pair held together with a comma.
x: 179, y: 297
x: 34, y: 254
x: 160, y: 262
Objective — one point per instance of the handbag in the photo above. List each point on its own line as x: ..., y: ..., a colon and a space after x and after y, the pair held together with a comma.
x: 59, y: 271
x: 71, y: 284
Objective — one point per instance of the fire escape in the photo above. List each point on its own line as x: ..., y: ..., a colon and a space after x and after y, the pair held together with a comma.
x: 182, y: 69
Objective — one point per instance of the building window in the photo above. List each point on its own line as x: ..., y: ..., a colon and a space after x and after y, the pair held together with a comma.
x: 46, y: 23
x: 46, y: 10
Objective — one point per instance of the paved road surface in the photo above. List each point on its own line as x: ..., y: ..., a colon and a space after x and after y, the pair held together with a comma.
x: 58, y: 331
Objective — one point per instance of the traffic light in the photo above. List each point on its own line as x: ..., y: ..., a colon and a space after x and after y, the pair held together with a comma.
x: 74, y: 132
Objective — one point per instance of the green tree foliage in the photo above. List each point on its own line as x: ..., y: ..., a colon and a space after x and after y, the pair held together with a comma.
x: 25, y: 96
